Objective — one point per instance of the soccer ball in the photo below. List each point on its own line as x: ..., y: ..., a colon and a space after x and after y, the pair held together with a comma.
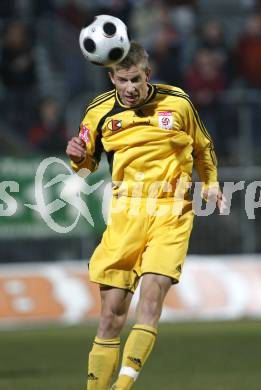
x: 105, y: 41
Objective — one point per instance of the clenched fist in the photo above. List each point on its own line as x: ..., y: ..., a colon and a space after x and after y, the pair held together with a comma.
x: 76, y: 149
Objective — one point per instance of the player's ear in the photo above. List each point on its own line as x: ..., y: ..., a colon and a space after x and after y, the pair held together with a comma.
x: 111, y: 75
x: 148, y: 74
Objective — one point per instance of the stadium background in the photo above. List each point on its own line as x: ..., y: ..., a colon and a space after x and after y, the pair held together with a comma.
x: 212, y: 49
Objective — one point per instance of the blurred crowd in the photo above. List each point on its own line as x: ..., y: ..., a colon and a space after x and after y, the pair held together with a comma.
x: 45, y: 81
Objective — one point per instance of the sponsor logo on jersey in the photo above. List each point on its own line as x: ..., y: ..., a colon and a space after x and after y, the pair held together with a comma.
x: 84, y: 134
x: 165, y: 120
x: 114, y: 124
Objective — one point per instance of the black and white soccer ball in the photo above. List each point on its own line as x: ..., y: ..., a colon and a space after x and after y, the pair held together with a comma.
x: 105, y: 41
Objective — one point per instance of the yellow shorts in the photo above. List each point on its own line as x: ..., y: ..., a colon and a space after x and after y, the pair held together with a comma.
x: 139, y: 239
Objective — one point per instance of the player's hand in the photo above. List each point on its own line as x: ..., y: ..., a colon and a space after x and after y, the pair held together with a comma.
x: 76, y: 149
x: 215, y: 195
x: 221, y: 202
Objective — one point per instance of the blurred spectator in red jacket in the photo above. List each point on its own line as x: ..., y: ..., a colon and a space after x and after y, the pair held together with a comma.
x: 212, y: 38
x: 75, y: 13
x: 48, y: 133
x: 248, y: 53
x: 205, y: 81
x: 166, y: 56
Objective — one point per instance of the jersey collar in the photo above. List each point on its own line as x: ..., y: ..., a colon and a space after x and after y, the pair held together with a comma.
x: 151, y: 94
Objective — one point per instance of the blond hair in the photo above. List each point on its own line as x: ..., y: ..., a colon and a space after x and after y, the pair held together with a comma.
x: 137, y: 55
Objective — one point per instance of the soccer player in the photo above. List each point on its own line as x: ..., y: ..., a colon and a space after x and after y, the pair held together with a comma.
x: 152, y: 135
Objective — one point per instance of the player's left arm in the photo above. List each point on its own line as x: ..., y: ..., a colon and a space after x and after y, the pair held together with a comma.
x: 204, y: 155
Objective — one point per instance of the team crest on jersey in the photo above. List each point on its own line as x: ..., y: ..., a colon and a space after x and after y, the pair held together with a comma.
x: 114, y: 124
x: 165, y: 120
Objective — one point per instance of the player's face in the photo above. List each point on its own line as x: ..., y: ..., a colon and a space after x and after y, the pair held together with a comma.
x: 131, y: 85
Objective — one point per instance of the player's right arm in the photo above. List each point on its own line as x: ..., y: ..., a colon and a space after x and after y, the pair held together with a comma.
x: 82, y: 149
x: 85, y: 149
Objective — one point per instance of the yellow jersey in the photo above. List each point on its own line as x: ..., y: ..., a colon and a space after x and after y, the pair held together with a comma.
x: 150, y: 146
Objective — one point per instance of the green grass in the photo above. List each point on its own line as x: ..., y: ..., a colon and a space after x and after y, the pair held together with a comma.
x: 190, y: 356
